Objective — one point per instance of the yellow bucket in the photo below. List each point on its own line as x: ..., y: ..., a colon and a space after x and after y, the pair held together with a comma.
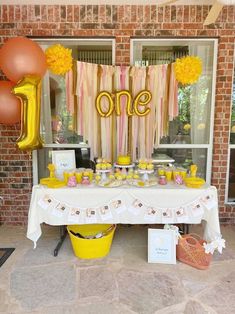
x: 91, y: 248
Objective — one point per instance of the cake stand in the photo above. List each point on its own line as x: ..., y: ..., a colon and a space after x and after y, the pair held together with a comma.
x: 145, y: 173
x: 124, y: 167
x: 103, y: 174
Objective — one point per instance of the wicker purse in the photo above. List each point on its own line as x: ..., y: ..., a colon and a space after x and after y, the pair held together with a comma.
x: 190, y: 251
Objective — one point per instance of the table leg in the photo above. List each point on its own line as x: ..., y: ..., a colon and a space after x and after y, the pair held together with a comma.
x: 63, y: 233
x: 185, y: 228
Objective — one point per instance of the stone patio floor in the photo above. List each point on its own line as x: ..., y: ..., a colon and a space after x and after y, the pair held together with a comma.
x: 34, y: 281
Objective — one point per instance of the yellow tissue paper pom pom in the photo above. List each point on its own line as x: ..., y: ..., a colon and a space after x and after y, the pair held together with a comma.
x: 188, y: 69
x: 187, y: 127
x: 59, y: 59
x: 201, y: 126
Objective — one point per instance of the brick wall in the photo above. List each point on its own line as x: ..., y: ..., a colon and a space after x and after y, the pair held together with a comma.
x: 121, y: 22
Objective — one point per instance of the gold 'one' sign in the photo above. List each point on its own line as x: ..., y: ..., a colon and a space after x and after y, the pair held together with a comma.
x: 138, y: 107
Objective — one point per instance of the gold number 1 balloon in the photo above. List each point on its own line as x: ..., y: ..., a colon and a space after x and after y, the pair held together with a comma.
x: 28, y: 90
x: 22, y: 119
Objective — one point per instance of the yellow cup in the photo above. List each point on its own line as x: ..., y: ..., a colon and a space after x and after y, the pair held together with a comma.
x: 67, y: 174
x: 168, y: 174
x: 90, y: 173
x: 161, y: 172
x: 193, y: 170
x: 183, y: 173
x: 78, y: 176
x: 175, y: 173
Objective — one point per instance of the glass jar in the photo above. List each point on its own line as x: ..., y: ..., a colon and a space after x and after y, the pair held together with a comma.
x: 162, y: 180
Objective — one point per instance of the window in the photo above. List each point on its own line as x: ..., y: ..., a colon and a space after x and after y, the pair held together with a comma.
x: 231, y: 163
x: 190, y: 135
x: 57, y: 123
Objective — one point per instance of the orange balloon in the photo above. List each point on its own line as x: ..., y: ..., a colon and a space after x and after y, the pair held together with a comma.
x: 10, y: 105
x: 21, y: 56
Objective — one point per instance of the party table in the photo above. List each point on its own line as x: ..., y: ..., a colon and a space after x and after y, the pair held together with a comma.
x: 170, y: 204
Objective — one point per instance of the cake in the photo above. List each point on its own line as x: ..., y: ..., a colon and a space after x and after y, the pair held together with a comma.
x: 124, y: 160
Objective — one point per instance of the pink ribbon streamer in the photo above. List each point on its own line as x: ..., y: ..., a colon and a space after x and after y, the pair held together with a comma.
x: 106, y: 123
x: 122, y: 83
x: 173, y: 95
x: 138, y: 124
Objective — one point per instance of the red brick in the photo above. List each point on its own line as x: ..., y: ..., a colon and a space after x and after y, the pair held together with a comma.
x: 192, y: 13
x: 133, y: 13
x: 70, y: 13
x: 140, y: 13
x: 50, y: 13
x: 76, y: 13
x: 186, y: 14
x: 147, y: 12
x: 167, y: 13
x: 5, y: 15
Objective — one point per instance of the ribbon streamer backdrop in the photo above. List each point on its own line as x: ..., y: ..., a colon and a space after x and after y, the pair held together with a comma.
x: 145, y: 132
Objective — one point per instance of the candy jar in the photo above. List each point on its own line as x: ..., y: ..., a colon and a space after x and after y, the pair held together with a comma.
x: 72, y: 182
x: 162, y: 180
x: 85, y: 179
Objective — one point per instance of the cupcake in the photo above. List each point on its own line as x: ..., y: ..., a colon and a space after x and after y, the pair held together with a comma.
x: 108, y: 166
x: 143, y: 166
x: 97, y: 178
x: 98, y: 166
x: 103, y: 166
x: 150, y: 167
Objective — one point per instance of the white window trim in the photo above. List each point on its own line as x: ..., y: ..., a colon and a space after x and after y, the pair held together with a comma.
x: 209, y: 146
x: 230, y: 146
x: 71, y: 41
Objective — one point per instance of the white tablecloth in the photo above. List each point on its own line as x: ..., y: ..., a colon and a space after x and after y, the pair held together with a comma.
x: 128, y: 205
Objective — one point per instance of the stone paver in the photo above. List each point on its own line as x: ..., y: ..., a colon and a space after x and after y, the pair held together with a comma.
x: 48, y: 285
x: 43, y: 254
x: 195, y: 308
x: 35, y: 282
x: 221, y: 296
x: 97, y: 282
x: 148, y: 292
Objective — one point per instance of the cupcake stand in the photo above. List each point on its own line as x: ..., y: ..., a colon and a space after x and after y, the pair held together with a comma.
x: 145, y: 174
x: 103, y: 174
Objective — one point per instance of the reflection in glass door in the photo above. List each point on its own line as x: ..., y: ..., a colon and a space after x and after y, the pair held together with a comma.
x: 190, y: 134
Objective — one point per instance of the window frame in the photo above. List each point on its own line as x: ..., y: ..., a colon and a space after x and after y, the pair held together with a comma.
x: 208, y: 146
x: 41, y: 40
x: 230, y: 146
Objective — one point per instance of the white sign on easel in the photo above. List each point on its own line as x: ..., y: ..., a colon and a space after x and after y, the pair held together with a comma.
x: 161, y: 246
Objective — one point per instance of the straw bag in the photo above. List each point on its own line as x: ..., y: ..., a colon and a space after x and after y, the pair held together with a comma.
x: 190, y: 251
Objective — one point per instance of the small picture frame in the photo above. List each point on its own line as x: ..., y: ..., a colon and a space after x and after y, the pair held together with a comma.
x: 63, y: 160
x: 161, y: 246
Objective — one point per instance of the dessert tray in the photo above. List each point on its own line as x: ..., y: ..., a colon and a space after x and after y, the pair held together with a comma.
x: 142, y: 184
x: 110, y: 184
